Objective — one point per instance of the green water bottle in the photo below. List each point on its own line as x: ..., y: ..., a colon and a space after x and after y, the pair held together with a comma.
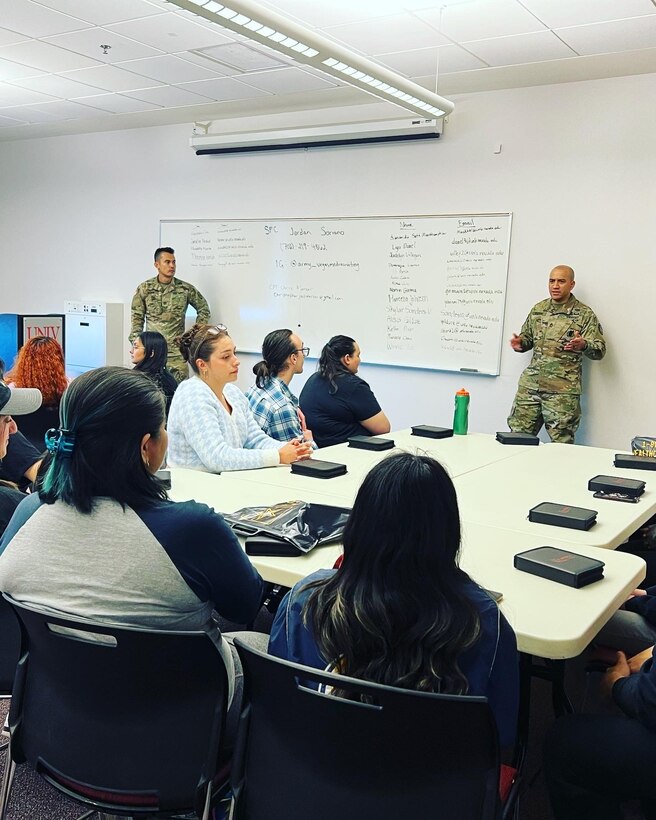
x: 461, y: 413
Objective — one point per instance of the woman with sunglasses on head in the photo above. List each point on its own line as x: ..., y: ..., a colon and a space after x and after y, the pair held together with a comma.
x: 101, y: 540
x: 148, y: 353
x: 400, y: 611
x: 211, y: 427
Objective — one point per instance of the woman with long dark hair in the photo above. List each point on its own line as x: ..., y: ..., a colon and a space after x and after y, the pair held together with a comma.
x: 148, y: 353
x: 336, y: 402
x: 400, y: 611
x: 101, y: 540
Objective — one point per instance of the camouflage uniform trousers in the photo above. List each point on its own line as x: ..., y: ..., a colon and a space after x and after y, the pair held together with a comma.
x: 559, y: 412
x: 178, y: 367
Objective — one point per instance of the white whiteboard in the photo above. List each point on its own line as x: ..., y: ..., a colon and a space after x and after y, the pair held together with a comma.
x: 414, y: 291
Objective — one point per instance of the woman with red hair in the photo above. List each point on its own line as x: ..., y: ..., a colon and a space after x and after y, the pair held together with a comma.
x: 40, y: 363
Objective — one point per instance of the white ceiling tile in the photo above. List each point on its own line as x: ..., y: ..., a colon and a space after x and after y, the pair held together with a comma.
x: 164, y: 56
x: 619, y: 35
x: 89, y: 41
x: 56, y: 86
x: 337, y: 12
x: 65, y: 109
x: 424, y: 61
x: 111, y: 78
x: 169, y: 69
x: 170, y: 33
x: 199, y: 58
x: 14, y: 71
x: 45, y: 56
x: 387, y: 34
x: 35, y: 20
x: 225, y: 88
x: 242, y: 57
x: 481, y: 19
x: 286, y: 81
x: 558, y: 13
x: 26, y: 113
x: 13, y: 95
x: 522, y: 48
x: 101, y: 12
x: 417, y: 63
x: 6, y: 121
x: 118, y: 103
x: 8, y: 37
x: 169, y: 96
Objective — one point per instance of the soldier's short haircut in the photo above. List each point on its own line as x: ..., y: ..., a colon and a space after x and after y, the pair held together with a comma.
x: 160, y: 251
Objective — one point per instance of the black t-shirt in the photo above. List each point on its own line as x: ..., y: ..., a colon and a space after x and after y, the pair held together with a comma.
x: 166, y: 382
x: 334, y: 416
x: 21, y: 455
x: 9, y: 500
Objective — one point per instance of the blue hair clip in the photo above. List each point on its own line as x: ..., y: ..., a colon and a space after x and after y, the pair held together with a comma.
x: 60, y: 441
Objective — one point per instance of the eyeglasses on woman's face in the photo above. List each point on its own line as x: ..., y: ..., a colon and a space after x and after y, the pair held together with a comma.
x: 137, y: 351
x: 304, y: 350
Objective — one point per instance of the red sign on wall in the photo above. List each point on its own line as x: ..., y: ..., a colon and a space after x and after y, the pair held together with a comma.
x: 49, y: 326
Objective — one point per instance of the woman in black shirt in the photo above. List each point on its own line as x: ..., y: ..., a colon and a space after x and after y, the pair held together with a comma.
x: 148, y: 353
x: 337, y: 403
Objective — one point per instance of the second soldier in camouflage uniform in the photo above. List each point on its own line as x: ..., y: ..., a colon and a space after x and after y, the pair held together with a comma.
x: 162, y: 303
x: 559, y: 330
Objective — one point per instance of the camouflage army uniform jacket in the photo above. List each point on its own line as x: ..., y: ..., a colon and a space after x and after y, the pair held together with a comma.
x: 164, y: 306
x: 547, y: 328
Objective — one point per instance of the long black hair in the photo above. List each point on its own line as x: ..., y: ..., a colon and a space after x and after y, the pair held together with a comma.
x: 105, y: 414
x: 155, y: 352
x: 395, y: 612
x: 330, y: 362
x: 277, y: 347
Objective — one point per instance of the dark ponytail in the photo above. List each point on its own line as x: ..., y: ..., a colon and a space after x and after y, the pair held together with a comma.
x: 277, y: 347
x: 330, y: 363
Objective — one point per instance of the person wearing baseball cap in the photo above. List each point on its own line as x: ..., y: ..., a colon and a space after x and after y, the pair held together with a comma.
x: 17, y: 402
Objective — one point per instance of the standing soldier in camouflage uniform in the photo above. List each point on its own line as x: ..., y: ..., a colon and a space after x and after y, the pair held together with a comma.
x: 558, y: 330
x: 162, y: 302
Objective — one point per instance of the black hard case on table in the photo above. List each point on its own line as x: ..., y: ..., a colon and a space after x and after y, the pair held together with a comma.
x: 559, y: 565
x: 563, y: 515
x: 427, y: 431
x: 517, y: 438
x: 371, y: 443
x: 632, y: 487
x: 315, y: 468
x: 634, y: 462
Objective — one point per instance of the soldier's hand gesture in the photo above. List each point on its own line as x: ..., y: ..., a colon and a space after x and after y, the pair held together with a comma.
x: 576, y: 344
x: 516, y: 343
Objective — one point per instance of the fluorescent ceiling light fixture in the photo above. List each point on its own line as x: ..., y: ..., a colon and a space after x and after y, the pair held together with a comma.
x: 306, y: 46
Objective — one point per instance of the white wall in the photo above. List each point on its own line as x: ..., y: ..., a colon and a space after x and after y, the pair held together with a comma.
x: 81, y: 219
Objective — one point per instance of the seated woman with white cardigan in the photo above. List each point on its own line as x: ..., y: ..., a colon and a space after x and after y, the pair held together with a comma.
x: 211, y: 426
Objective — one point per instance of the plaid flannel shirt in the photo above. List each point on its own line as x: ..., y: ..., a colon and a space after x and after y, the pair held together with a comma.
x: 275, y: 408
